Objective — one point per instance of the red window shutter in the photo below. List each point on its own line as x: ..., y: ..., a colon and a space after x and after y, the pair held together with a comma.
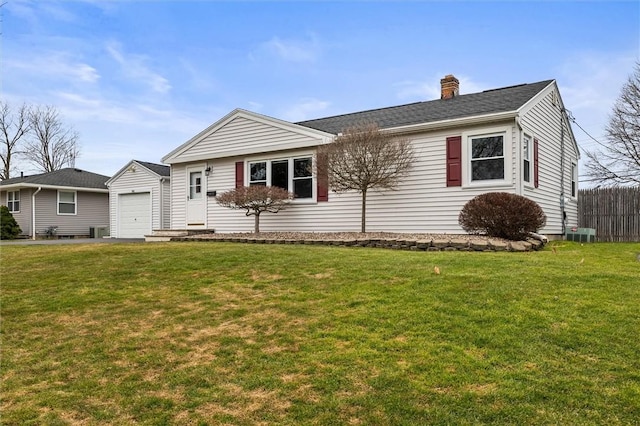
x: 239, y: 174
x: 322, y: 179
x: 536, y: 181
x: 454, y: 161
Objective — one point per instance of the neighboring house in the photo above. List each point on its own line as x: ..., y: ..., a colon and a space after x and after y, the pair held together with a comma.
x: 139, y: 197
x: 514, y: 139
x: 70, y: 200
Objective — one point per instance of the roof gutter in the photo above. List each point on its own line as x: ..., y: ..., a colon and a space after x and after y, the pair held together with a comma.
x: 57, y: 187
x: 33, y: 213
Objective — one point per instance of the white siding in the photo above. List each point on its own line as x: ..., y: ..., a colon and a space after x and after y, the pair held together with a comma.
x: 165, y: 196
x: 134, y: 182
x: 178, y: 197
x: 242, y: 135
x: 421, y: 203
x: 543, y: 123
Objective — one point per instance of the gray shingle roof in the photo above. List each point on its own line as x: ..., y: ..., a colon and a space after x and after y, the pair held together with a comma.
x: 488, y: 102
x: 160, y: 169
x: 69, y: 177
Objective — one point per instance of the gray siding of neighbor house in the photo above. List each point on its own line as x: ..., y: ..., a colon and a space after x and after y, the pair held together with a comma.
x: 23, y: 217
x: 92, y: 209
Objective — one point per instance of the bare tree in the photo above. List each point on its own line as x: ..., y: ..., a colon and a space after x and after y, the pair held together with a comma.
x: 52, y: 145
x: 14, y: 126
x: 255, y: 200
x: 618, y: 161
x: 364, y: 158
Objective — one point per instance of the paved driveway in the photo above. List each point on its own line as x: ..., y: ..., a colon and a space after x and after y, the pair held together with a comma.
x: 71, y: 241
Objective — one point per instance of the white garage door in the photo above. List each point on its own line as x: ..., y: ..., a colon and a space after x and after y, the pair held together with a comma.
x: 134, y: 215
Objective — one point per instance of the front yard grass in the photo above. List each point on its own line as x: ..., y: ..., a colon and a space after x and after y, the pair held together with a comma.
x: 241, y: 334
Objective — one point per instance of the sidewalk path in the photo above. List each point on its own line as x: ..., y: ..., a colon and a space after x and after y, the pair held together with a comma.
x: 71, y: 241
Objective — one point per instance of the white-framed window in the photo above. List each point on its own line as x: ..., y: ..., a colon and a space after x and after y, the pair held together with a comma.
x: 574, y: 180
x: 302, y: 177
x: 526, y: 158
x: 258, y: 173
x: 293, y: 174
x: 13, y: 201
x: 195, y: 185
x: 487, y: 159
x: 67, y: 202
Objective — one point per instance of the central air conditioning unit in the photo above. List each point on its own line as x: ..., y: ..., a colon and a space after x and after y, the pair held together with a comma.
x: 98, y: 231
x: 581, y: 235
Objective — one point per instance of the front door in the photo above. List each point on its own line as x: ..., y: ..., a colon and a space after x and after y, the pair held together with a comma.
x: 195, y: 198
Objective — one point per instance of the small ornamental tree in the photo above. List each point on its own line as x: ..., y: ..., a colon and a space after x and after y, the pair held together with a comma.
x: 255, y: 200
x: 364, y: 158
x: 502, y: 215
x: 9, y: 228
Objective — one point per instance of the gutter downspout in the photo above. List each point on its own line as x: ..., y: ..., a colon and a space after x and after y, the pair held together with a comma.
x: 519, y: 155
x: 161, y: 203
x: 33, y: 212
x: 562, y: 153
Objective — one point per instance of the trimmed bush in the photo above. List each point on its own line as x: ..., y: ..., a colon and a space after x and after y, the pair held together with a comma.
x: 9, y: 228
x: 502, y: 215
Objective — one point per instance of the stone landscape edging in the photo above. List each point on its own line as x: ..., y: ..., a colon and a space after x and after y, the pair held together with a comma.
x: 452, y: 244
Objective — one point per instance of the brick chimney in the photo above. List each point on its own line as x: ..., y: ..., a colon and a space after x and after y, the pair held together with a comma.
x: 449, y: 86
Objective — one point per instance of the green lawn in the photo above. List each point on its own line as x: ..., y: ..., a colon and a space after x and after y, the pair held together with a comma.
x: 245, y: 334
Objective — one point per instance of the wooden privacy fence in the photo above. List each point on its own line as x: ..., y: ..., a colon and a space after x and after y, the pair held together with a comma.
x: 613, y: 212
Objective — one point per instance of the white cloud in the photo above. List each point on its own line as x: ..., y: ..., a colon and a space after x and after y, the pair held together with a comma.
x: 200, y: 80
x: 113, y: 131
x: 306, y: 108
x: 135, y: 68
x: 57, y: 65
x: 294, y: 50
x: 411, y: 90
x: 86, y: 73
x: 590, y: 83
x: 255, y: 106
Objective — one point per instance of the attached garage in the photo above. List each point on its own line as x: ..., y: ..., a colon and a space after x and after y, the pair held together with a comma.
x: 134, y: 219
x: 139, y: 200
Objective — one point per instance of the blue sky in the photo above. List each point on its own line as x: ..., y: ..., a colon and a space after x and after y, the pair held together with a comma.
x: 138, y: 78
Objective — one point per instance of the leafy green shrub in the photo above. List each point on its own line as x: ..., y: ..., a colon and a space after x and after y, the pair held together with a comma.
x: 9, y: 228
x: 502, y: 215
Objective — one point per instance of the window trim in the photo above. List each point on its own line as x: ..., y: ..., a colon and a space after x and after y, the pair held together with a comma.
x: 507, y: 151
x: 75, y: 203
x: 290, y: 159
x: 11, y: 203
x: 574, y: 180
x: 527, y: 141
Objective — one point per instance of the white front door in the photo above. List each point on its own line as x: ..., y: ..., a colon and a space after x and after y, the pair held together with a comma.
x: 195, y: 197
